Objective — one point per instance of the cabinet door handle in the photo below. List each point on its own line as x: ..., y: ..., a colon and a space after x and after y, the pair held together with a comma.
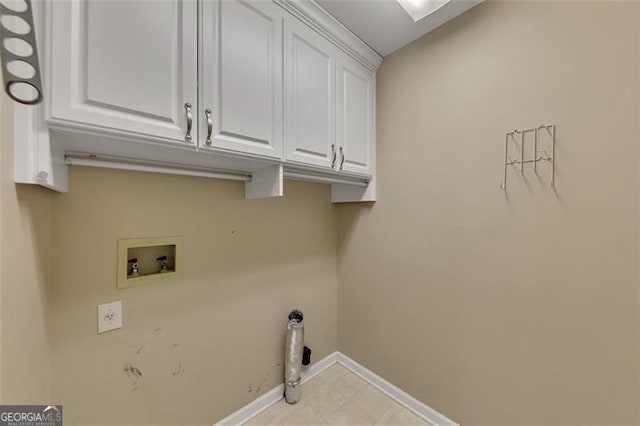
x: 207, y: 113
x: 333, y: 156
x: 341, y: 158
x: 187, y: 136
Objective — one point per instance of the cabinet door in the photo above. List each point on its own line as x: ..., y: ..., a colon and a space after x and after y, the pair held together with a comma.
x: 242, y: 76
x: 125, y: 66
x: 310, y: 96
x: 355, y: 116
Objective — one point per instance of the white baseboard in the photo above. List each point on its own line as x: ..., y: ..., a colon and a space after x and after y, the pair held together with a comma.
x: 318, y: 367
x: 422, y: 410
x: 417, y: 407
x: 254, y: 408
x: 265, y: 401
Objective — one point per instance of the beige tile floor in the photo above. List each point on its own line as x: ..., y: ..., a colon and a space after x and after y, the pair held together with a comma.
x: 338, y: 397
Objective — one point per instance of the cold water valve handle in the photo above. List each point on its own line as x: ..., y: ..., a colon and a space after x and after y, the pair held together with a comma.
x: 163, y: 263
x: 134, y: 266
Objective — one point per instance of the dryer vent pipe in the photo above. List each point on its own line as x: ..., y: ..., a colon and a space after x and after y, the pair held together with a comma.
x: 293, y: 357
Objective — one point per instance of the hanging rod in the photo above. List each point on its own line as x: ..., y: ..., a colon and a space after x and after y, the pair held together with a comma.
x: 323, y: 179
x: 124, y: 163
x: 74, y: 158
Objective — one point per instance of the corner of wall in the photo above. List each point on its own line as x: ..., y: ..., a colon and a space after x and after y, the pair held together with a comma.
x: 25, y: 236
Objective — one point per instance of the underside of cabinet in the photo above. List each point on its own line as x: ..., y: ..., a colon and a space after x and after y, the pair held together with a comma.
x: 43, y: 157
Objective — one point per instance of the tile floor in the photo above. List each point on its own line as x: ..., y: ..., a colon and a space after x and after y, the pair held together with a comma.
x: 338, y: 397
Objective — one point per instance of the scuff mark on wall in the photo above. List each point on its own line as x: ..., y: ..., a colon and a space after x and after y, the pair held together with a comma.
x: 133, y: 374
x: 141, y: 348
x: 179, y: 371
x: 261, y: 384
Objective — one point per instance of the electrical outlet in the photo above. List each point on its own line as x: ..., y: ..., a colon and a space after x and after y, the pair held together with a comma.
x: 109, y: 316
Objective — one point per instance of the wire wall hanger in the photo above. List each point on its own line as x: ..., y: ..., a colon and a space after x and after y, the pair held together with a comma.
x: 517, y: 139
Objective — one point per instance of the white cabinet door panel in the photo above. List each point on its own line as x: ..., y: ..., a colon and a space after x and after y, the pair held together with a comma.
x: 130, y: 66
x: 310, y: 88
x: 242, y: 75
x: 355, y: 116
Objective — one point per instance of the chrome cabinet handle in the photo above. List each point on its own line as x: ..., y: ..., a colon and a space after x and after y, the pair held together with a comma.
x: 207, y: 113
x: 187, y: 136
x: 341, y: 158
x: 333, y: 156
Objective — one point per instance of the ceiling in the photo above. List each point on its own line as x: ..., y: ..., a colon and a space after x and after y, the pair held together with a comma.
x: 384, y: 25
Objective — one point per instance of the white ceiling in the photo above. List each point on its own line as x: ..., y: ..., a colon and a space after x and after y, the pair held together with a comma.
x: 384, y: 25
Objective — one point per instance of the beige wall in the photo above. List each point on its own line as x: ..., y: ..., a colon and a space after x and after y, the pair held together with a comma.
x: 499, y: 308
x: 24, y: 267
x: 492, y: 309
x: 206, y: 344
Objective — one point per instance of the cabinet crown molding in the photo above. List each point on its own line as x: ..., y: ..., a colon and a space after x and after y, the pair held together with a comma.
x: 312, y: 14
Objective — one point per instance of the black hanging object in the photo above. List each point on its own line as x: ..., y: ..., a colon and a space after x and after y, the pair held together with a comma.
x: 306, y: 356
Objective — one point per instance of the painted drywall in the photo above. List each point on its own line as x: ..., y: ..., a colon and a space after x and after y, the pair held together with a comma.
x: 24, y: 265
x: 195, y: 349
x: 503, y: 308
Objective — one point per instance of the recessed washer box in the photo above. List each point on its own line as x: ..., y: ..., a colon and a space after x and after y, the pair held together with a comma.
x: 149, y: 260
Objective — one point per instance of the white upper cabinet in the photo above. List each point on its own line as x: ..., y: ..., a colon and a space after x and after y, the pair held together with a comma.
x: 241, y: 76
x: 355, y: 110
x: 310, y: 135
x: 253, y: 90
x: 125, y: 66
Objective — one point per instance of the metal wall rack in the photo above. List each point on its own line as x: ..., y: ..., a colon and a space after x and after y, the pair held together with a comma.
x: 517, y: 138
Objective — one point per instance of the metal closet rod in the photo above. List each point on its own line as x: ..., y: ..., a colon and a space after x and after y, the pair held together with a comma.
x: 125, y: 163
x: 324, y: 179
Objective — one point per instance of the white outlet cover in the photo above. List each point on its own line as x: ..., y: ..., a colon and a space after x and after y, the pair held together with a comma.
x: 109, y: 316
